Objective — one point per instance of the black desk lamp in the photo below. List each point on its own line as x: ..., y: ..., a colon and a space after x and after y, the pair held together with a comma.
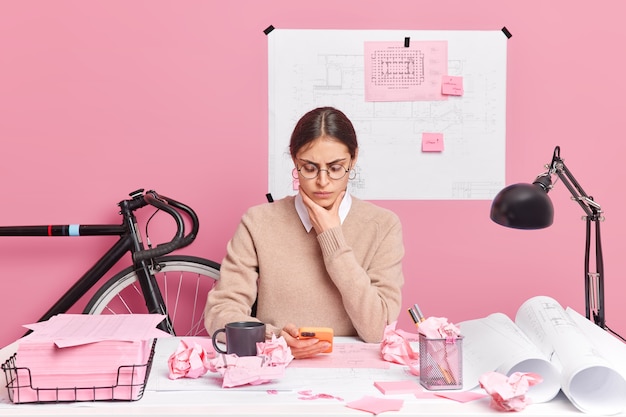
x: 527, y: 206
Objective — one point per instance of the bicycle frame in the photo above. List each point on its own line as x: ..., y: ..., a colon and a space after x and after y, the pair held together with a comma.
x: 129, y: 241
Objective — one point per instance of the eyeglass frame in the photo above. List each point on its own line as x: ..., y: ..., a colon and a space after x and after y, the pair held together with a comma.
x: 320, y: 170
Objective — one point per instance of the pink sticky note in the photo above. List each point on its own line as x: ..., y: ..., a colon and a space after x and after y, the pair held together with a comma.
x: 432, y: 142
x: 376, y: 405
x: 398, y: 387
x: 461, y: 396
x: 426, y: 395
x: 452, y: 86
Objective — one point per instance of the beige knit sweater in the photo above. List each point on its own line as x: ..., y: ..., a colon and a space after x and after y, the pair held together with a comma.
x: 348, y: 278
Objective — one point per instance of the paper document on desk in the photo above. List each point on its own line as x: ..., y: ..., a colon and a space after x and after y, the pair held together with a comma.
x: 79, y: 357
x: 555, y: 343
x: 346, y: 355
x: 355, y: 367
x: 80, y: 329
x: 496, y: 343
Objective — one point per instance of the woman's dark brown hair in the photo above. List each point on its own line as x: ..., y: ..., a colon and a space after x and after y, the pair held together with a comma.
x: 323, y: 121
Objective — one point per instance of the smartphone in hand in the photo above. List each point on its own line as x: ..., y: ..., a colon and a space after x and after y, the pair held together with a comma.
x: 321, y: 333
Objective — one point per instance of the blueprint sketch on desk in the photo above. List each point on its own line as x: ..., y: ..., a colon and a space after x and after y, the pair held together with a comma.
x: 309, y: 68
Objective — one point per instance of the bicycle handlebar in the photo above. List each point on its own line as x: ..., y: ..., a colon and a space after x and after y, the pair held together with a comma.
x: 173, y: 208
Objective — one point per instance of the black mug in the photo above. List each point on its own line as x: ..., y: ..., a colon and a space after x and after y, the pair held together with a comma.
x: 241, y: 337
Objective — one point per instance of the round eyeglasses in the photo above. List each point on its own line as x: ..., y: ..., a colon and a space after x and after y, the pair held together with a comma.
x: 334, y: 171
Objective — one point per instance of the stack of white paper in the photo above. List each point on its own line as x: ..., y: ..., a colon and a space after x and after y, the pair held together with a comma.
x: 76, y: 357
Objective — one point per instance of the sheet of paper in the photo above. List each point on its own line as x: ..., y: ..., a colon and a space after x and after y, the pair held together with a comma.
x: 609, y: 346
x: 407, y: 386
x: 588, y: 379
x: 461, y: 396
x: 330, y: 71
x: 376, y: 405
x: 346, y: 355
x: 338, y: 378
x: 77, y: 329
x: 496, y: 343
x: 394, y: 72
x: 546, y: 340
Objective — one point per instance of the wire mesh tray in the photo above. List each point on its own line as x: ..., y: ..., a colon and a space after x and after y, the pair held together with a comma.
x: 129, y: 385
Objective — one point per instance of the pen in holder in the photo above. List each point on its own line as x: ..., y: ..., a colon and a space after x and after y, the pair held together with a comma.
x: 441, y: 362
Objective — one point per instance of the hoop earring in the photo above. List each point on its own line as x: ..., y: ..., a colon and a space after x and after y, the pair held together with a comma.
x: 294, y: 173
x: 352, y: 174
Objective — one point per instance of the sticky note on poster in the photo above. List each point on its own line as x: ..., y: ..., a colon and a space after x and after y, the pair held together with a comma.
x: 432, y: 142
x: 451, y: 85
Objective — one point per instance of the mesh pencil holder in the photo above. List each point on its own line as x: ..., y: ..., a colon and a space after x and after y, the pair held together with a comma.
x: 441, y: 363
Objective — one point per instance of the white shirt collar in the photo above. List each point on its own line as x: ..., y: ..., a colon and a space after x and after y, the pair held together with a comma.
x: 344, y: 208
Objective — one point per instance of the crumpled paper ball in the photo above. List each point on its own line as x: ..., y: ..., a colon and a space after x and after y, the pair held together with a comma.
x: 275, y: 352
x: 395, y: 348
x: 190, y: 360
x: 272, y: 358
x: 438, y: 328
x: 509, y: 393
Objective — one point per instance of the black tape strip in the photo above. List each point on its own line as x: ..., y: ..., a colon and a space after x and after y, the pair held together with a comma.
x: 407, y: 42
x: 268, y: 29
x: 269, y: 197
x: 506, y: 32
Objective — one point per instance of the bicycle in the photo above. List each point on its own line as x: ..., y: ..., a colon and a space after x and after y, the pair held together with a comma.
x: 156, y: 282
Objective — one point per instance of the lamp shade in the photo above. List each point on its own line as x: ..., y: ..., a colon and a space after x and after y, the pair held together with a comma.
x: 523, y: 206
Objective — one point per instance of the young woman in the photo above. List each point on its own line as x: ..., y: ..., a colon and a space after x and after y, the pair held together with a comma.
x: 319, y: 258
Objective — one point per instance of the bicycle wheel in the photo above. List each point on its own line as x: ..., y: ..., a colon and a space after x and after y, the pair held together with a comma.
x: 184, y: 282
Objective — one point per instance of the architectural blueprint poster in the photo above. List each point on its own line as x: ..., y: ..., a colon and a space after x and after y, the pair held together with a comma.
x: 395, y: 71
x: 411, y: 148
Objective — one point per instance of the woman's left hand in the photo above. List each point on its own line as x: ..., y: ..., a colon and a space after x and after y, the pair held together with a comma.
x: 322, y: 218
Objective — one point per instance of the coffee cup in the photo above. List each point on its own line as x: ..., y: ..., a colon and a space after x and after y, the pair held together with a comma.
x: 241, y: 337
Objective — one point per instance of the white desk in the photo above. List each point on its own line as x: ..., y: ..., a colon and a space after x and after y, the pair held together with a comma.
x: 349, y: 385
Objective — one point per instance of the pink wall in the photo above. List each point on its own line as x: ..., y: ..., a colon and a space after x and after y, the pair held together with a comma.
x: 99, y: 98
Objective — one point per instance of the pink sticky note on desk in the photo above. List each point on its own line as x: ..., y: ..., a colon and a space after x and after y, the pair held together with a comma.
x: 461, y: 396
x: 376, y: 405
x: 398, y: 387
x: 432, y: 142
x: 452, y: 86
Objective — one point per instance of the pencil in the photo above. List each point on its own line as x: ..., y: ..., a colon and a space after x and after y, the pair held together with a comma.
x: 413, y: 316
x: 420, y: 316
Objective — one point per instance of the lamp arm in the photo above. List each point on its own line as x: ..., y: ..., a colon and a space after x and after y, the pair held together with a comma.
x: 594, y: 282
x: 587, y: 203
